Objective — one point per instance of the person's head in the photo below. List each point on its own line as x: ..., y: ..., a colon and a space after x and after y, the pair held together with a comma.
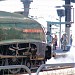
x: 55, y: 35
x: 71, y: 35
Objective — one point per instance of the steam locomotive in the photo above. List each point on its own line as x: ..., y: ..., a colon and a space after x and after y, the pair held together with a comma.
x: 22, y: 41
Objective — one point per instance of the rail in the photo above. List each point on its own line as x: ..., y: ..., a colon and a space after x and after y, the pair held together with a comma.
x: 54, y: 65
x: 15, y: 66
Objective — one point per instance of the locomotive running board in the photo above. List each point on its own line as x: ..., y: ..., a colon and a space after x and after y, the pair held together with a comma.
x: 8, y: 56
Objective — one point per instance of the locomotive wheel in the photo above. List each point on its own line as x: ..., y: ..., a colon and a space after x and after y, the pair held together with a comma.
x: 15, y: 61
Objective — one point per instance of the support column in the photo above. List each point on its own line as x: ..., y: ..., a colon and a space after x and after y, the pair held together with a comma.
x: 60, y: 34
x: 67, y: 30
x: 68, y: 18
x: 49, y: 36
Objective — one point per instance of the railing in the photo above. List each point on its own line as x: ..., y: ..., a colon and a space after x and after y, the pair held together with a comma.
x: 44, y: 67
x: 15, y: 66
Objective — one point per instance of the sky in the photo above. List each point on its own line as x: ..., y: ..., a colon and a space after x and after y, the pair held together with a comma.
x: 39, y: 8
x: 11, y: 5
x: 42, y: 10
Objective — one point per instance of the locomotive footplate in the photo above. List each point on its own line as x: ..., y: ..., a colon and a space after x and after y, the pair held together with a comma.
x: 8, y: 56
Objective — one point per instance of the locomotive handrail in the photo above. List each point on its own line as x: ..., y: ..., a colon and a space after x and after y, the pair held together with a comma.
x: 16, y: 66
x: 54, y: 65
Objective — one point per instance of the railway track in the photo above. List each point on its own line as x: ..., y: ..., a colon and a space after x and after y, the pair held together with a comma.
x: 62, y: 71
x: 67, y: 70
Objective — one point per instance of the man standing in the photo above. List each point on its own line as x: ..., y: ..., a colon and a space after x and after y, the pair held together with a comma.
x: 65, y: 41
x: 71, y: 39
x: 55, y: 39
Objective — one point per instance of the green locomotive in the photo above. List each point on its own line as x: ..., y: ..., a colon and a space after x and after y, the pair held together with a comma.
x: 22, y: 41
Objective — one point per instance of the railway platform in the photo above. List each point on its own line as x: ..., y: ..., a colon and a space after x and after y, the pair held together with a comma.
x: 60, y: 52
